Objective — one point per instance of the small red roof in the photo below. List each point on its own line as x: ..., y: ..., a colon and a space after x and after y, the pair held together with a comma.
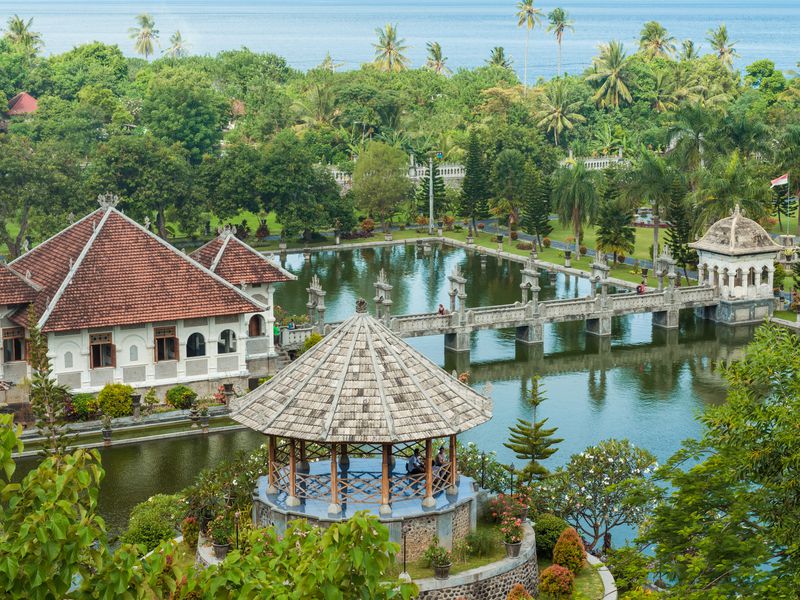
x: 122, y: 275
x: 14, y: 288
x: 236, y: 262
x: 22, y: 104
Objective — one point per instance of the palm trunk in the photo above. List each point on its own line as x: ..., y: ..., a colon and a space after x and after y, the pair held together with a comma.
x: 655, y: 236
x: 525, y: 70
x: 559, y: 58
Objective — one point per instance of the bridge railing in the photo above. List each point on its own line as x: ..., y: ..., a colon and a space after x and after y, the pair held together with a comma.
x: 644, y: 301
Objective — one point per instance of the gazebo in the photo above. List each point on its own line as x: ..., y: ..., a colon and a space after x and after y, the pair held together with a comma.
x: 342, y: 421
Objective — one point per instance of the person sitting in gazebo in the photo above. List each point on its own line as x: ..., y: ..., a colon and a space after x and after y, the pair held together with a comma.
x: 414, y: 465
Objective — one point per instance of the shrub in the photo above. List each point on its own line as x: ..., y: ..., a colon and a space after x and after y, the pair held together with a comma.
x: 436, y: 555
x: 518, y: 592
x: 570, y: 239
x: 482, y: 542
x: 514, y: 235
x: 583, y: 250
x: 548, y: 529
x: 506, y: 504
x: 569, y: 551
x: 621, y: 258
x: 181, y: 396
x: 190, y: 529
x: 310, y: 342
x: 556, y: 582
x: 150, y: 401
x: 85, y: 407
x: 221, y: 529
x: 511, y: 529
x: 368, y: 225
x: 114, y: 400
x: 154, y: 521
x: 524, y: 246
x: 481, y: 226
x: 546, y: 242
x: 629, y: 568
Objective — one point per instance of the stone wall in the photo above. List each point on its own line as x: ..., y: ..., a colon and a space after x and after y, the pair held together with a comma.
x: 420, y: 532
x: 490, y: 582
x: 461, y: 522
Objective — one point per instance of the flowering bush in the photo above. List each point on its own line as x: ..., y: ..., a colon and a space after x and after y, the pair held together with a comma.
x: 504, y: 505
x: 511, y: 529
x: 448, y: 221
x: 514, y: 235
x: 556, y: 582
x: 524, y: 246
x: 190, y: 529
x: 368, y: 225
x: 569, y: 551
x: 483, y: 467
x: 221, y: 529
x: 518, y: 592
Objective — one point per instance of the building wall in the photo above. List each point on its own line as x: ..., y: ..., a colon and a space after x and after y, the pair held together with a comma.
x: 732, y: 263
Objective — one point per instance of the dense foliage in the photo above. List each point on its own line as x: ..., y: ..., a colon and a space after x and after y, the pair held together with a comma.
x: 548, y: 529
x: 569, y: 551
x: 154, y: 521
x: 115, y: 400
x: 556, y: 582
x: 181, y: 396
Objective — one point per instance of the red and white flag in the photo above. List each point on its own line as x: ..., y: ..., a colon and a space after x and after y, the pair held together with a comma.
x: 782, y: 180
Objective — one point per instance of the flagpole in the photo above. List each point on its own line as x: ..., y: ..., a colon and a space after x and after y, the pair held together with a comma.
x: 788, y: 187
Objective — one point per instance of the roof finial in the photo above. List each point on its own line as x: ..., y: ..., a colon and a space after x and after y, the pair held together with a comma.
x: 108, y: 200
x: 737, y: 211
x: 361, y: 305
x: 227, y: 231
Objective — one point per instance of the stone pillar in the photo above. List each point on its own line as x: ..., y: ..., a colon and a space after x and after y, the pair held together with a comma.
x: 599, y: 326
x: 458, y: 290
x: 320, y: 310
x: 383, y: 297
x: 701, y: 275
x: 429, y: 501
x: 771, y: 278
x: 530, y: 280
x: 668, y: 319
x: 334, y: 508
x: 292, y: 499
x: 269, y: 320
x: 386, y: 508
x: 531, y: 334
x: 458, y: 341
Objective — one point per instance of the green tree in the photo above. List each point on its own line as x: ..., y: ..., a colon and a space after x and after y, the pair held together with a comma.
x: 651, y: 181
x: 680, y: 233
x: 422, y: 195
x: 20, y: 34
x: 235, y: 181
x: 497, y: 58
x: 722, y: 45
x: 436, y: 61
x: 182, y: 107
x: 474, y: 189
x: 149, y: 175
x: 655, y: 42
x: 559, y: 23
x: 508, y: 172
x: 729, y: 499
x: 576, y: 198
x: 602, y: 488
x: 536, y: 203
x: 145, y: 36
x: 610, y: 70
x: 558, y: 111
x: 380, y: 181
x: 532, y: 441
x: 615, y: 230
x: 178, y: 48
x: 528, y: 16
x: 389, y: 50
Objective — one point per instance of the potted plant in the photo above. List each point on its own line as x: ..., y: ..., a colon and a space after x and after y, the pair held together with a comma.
x: 221, y: 531
x: 439, y: 559
x: 511, y: 530
x: 204, y: 416
x: 106, y: 421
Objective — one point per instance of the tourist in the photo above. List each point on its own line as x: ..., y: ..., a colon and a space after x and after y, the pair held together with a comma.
x: 441, y: 309
x: 642, y: 287
x: 441, y: 458
x: 414, y: 464
x: 276, y: 332
x: 291, y: 325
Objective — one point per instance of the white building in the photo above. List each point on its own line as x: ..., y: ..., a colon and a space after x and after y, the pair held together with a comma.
x: 119, y: 304
x: 737, y: 256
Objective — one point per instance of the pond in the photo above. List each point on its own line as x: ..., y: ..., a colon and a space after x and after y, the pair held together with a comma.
x: 644, y: 384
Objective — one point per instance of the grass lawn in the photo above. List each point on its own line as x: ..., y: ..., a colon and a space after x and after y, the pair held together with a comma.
x: 786, y: 315
x: 588, y: 585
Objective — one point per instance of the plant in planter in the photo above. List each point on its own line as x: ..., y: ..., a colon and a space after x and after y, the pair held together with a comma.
x: 202, y: 409
x: 221, y: 531
x: 190, y: 529
x: 508, y: 505
x: 438, y: 558
x: 106, y: 422
x: 511, y: 530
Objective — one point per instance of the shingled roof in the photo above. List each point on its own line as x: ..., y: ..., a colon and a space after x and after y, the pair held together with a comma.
x: 108, y: 270
x: 14, y: 288
x: 736, y: 235
x: 22, y: 104
x: 236, y: 262
x: 362, y: 383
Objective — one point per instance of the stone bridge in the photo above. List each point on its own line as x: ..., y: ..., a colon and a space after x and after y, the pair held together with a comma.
x: 529, y: 315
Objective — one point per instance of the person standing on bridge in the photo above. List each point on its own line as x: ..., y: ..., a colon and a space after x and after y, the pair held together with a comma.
x: 441, y: 309
x: 642, y: 287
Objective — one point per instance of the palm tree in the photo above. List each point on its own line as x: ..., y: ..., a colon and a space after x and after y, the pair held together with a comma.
x: 558, y: 111
x: 19, y: 34
x: 389, y: 50
x: 689, y: 50
x: 436, y: 60
x: 498, y: 58
x: 576, y: 198
x: 145, y: 36
x: 528, y: 16
x: 663, y: 98
x: 328, y: 64
x: 651, y: 181
x: 610, y: 70
x: 655, y: 42
x: 178, y: 48
x: 688, y: 133
x: 722, y: 45
x: 559, y: 23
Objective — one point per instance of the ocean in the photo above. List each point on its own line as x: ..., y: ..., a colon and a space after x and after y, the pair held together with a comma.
x: 304, y: 31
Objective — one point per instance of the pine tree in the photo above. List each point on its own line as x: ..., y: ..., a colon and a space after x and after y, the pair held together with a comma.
x: 679, y: 234
x: 439, y: 194
x: 615, y: 231
x: 536, y: 204
x: 531, y: 441
x: 48, y: 398
x: 782, y: 206
x: 475, y: 189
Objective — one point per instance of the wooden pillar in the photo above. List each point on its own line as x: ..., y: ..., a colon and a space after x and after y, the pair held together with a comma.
x: 429, y: 499
x: 453, y: 466
x: 334, y: 508
x: 344, y: 458
x: 292, y: 499
x: 304, y: 468
x: 271, y: 467
x: 386, y: 487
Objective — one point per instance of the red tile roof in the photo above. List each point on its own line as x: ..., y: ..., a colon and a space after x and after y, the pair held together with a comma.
x: 236, y: 262
x: 14, y: 288
x: 22, y: 104
x: 122, y: 275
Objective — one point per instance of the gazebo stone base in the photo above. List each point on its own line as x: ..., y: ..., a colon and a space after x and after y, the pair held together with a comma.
x: 450, y: 520
x: 739, y: 312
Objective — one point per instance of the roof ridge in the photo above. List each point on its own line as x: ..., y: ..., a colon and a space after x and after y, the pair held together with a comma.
x: 55, y: 235
x: 187, y: 258
x: 379, y: 381
x: 213, y: 266
x: 32, y: 284
x: 73, y: 269
x: 326, y: 427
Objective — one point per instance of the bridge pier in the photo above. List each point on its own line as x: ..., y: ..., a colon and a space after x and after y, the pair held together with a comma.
x: 456, y: 361
x: 667, y: 319
x: 458, y: 341
x: 599, y: 326
x: 530, y: 334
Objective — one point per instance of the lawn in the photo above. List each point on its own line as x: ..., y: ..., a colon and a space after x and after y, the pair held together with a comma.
x: 786, y: 315
x: 588, y: 585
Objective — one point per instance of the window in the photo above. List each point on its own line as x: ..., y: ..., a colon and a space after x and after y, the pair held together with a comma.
x: 166, y: 344
x: 101, y: 351
x: 196, y: 345
x: 67, y: 360
x: 14, y: 344
x: 227, y: 342
x: 256, y: 326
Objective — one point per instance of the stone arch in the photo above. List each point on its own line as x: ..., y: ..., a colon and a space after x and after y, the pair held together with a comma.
x: 751, y: 277
x: 133, y: 353
x: 257, y: 326
x: 716, y: 276
x: 738, y: 279
x: 195, y: 345
x: 765, y: 275
x: 227, y: 342
x: 726, y: 278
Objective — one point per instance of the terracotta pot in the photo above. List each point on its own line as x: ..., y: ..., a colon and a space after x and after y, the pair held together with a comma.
x: 221, y: 550
x: 512, y: 550
x: 441, y: 571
